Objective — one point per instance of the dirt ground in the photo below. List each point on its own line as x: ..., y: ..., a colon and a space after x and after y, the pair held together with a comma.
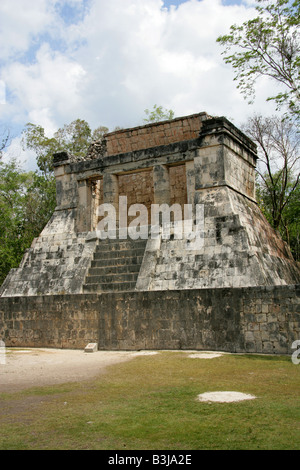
x: 21, y: 369
x: 25, y: 368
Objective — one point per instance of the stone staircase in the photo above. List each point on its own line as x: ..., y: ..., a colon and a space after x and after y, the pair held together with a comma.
x: 115, y: 266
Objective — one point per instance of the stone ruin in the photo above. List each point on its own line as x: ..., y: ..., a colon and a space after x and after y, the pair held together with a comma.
x: 235, y: 287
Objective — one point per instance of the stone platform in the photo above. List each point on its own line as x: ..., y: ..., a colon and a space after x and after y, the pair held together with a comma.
x: 246, y: 320
x: 233, y: 288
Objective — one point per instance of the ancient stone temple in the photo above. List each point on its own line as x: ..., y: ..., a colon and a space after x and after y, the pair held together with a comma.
x: 208, y: 273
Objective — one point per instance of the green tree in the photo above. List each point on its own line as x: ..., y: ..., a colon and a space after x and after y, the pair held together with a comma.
x: 99, y: 132
x: 278, y: 177
x: 27, y: 201
x: 75, y: 138
x: 291, y: 222
x: 4, y: 140
x: 39, y: 204
x: 289, y: 225
x: 34, y: 138
x: 14, y: 184
x: 268, y: 45
x: 158, y: 114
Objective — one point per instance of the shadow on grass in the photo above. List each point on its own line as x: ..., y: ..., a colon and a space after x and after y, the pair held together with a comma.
x: 264, y: 357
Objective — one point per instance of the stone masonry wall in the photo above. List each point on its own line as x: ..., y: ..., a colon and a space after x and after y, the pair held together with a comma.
x: 138, y: 187
x: 56, y: 262
x: 153, y: 135
x: 178, y: 187
x: 246, y: 320
x: 236, y: 247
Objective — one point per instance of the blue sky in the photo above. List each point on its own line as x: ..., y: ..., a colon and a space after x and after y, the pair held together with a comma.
x: 168, y: 3
x: 107, y: 61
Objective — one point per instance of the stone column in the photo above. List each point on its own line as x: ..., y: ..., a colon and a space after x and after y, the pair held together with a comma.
x: 226, y: 157
x: 162, y: 194
x: 111, y: 191
x: 66, y: 182
x: 161, y: 184
x: 96, y: 185
x: 190, y: 184
x: 85, y: 206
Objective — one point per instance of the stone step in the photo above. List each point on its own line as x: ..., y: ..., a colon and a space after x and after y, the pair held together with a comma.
x: 102, y: 271
x: 111, y: 278
x: 98, y: 255
x: 117, y: 262
x: 109, y: 287
x: 115, y: 266
x: 120, y: 245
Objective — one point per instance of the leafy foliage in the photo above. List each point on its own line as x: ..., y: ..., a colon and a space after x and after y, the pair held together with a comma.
x: 4, y: 140
x: 75, y: 138
x: 268, y: 45
x: 278, y: 178
x: 158, y: 113
x: 13, y: 241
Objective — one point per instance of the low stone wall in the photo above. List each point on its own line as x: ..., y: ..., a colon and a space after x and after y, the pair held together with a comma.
x: 254, y: 320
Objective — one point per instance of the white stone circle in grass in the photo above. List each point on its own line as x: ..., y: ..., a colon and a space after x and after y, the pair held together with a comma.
x: 224, y: 397
x: 145, y: 353
x: 204, y: 355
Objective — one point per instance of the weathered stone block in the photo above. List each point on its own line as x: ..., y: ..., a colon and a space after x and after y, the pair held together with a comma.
x: 91, y: 347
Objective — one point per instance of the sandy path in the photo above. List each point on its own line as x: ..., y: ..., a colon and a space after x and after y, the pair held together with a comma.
x: 21, y: 369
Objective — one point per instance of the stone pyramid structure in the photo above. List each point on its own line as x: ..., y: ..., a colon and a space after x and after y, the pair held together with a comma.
x: 195, y: 160
x: 109, y: 269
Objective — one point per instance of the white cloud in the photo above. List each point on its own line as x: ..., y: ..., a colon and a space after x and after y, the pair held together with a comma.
x: 21, y: 21
x: 2, y: 92
x: 138, y: 54
x: 46, y: 89
x: 120, y: 57
x: 15, y: 151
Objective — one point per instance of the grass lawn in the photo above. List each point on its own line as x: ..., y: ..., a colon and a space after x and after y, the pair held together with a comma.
x: 150, y: 403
